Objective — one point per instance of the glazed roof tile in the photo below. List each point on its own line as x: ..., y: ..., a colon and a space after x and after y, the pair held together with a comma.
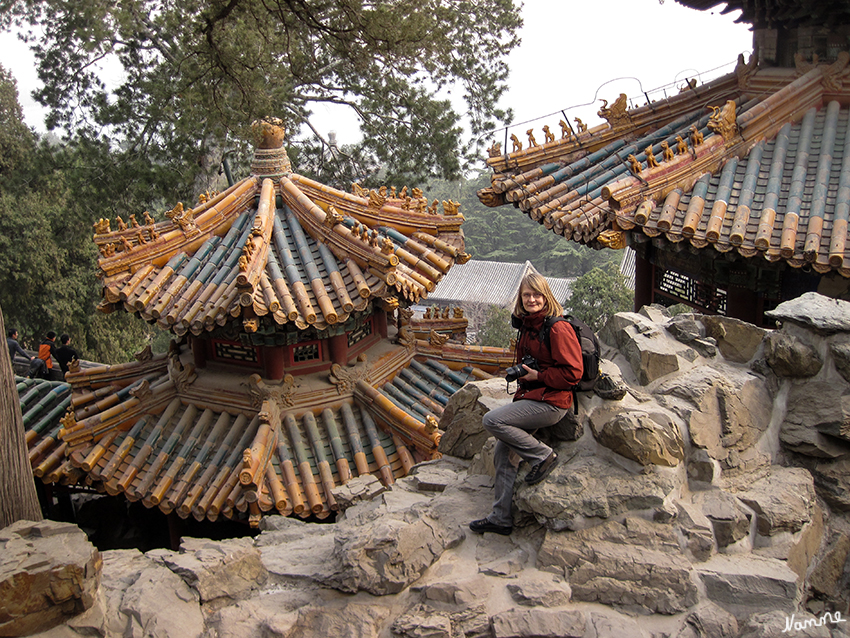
x: 149, y: 437
x: 764, y: 173
x: 272, y: 257
x: 291, y: 251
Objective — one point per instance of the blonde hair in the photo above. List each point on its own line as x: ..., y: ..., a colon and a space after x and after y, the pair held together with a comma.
x: 536, y: 282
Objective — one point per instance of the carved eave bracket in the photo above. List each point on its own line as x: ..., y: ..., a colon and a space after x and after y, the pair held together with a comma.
x: 491, y: 198
x: 282, y: 393
x: 614, y: 239
x: 835, y: 74
x: 145, y: 354
x: 184, y: 219
x: 345, y: 378
x: 182, y: 376
x: 745, y: 70
x: 436, y: 339
x: 142, y: 390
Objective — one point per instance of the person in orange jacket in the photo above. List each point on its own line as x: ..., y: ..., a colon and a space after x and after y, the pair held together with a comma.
x: 46, y: 350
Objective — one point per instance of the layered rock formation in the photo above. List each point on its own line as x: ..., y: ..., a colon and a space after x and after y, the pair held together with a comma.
x: 712, y: 499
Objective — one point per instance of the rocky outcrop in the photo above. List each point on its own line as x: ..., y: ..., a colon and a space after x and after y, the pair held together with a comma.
x: 461, y: 419
x: 228, y: 569
x: 704, y: 493
x: 49, y: 572
x: 388, y: 555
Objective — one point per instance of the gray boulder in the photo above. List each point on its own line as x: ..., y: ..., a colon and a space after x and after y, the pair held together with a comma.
x: 461, y: 420
x: 544, y: 590
x: 229, y: 568
x: 635, y: 564
x: 832, y: 479
x: 791, y: 357
x: 352, y: 620
x: 388, y: 555
x: 725, y: 408
x: 729, y: 518
x: 650, y: 355
x: 812, y: 310
x: 749, y: 584
x: 817, y: 422
x: 783, y: 500
x: 738, y: 341
x: 542, y: 623
x: 648, y: 438
x: 49, y: 572
x: 709, y: 621
x: 591, y: 487
x: 840, y: 351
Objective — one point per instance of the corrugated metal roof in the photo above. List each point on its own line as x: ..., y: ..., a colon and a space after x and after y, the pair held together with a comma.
x: 627, y: 267
x: 489, y: 282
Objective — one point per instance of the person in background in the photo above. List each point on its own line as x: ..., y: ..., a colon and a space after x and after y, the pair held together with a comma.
x: 46, y: 351
x: 14, y: 347
x: 65, y: 354
x: 542, y: 398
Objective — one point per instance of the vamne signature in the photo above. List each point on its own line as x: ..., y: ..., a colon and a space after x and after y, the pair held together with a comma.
x: 799, y: 625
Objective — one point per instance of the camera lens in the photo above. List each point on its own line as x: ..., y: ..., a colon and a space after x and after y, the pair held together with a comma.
x: 515, y: 372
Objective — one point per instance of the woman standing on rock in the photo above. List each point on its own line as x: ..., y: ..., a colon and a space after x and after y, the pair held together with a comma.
x: 546, y: 369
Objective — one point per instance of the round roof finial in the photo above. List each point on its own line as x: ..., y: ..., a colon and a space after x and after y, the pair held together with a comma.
x: 270, y: 159
x: 268, y: 132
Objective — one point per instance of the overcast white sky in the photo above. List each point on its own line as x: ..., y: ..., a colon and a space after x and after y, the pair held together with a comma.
x: 569, y: 51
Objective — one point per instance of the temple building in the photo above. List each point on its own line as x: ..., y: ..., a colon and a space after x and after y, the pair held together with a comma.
x: 294, y: 366
x: 733, y: 194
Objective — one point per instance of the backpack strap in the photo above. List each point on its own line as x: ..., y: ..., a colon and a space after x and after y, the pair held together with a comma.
x: 547, y: 328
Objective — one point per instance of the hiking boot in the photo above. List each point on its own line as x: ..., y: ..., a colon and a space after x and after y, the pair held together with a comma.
x: 484, y: 525
x: 542, y: 469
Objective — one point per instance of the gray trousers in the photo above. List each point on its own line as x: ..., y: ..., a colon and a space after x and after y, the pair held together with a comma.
x: 512, y: 425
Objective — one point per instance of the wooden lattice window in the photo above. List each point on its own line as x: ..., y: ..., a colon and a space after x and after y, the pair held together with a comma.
x: 229, y: 351
x: 360, y: 333
x: 679, y: 288
x: 306, y: 352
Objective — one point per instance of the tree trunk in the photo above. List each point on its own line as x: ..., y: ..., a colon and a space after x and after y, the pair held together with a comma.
x: 18, y: 500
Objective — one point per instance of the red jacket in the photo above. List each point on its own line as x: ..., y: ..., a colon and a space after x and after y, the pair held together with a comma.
x: 560, y: 366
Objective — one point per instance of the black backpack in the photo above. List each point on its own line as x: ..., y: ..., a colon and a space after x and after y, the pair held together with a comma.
x: 590, y: 352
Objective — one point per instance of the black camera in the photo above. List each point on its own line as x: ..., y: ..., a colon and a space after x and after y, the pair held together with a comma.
x: 515, y: 372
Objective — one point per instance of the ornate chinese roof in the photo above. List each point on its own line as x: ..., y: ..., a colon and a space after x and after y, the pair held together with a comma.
x: 275, y: 261
x: 158, y: 432
x: 780, y: 13
x: 277, y: 248
x: 756, y: 162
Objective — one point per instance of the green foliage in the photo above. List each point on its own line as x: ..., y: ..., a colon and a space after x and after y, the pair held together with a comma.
x: 47, y: 258
x: 506, y: 234
x: 194, y: 75
x: 497, y: 330
x: 598, y: 295
x: 15, y: 139
x: 679, y: 309
x: 335, y: 166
